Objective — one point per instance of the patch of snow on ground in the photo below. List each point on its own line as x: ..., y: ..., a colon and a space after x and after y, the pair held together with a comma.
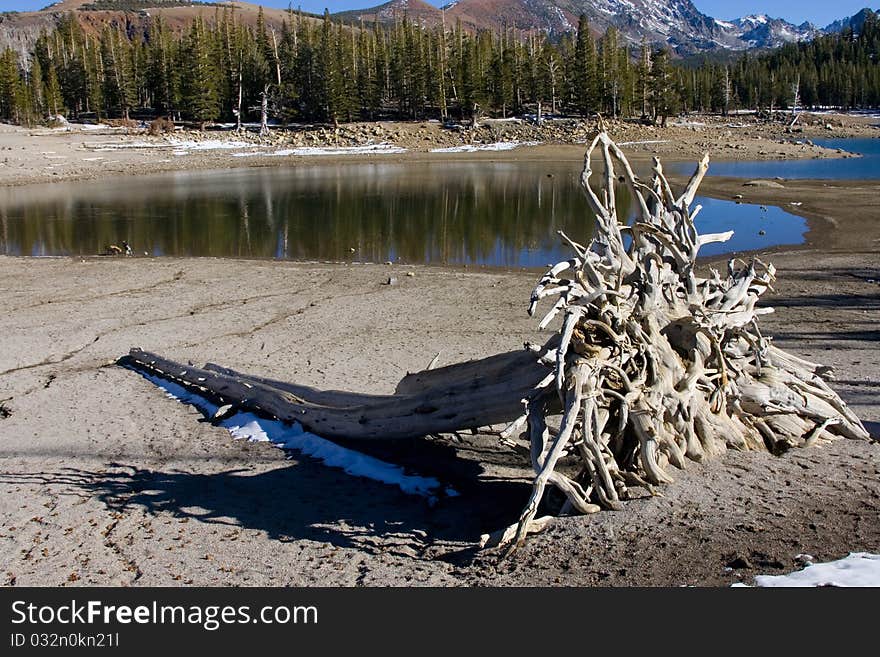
x: 85, y: 127
x: 208, y: 144
x: 369, y: 149
x: 868, y: 114
x: 126, y: 144
x: 292, y: 436
x: 858, y: 569
x: 639, y: 143
x: 497, y: 146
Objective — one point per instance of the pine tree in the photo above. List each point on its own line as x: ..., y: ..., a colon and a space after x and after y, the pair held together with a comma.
x: 198, y: 78
x: 552, y: 74
x: 326, y: 72
x: 10, y: 87
x: 120, y: 86
x: 162, y: 73
x: 585, y: 70
x: 611, y: 82
x: 35, y: 87
x: 664, y: 95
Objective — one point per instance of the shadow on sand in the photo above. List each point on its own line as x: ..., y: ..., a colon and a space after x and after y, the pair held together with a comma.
x: 305, y: 500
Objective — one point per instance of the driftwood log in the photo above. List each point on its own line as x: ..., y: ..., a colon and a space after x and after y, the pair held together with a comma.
x: 654, y: 365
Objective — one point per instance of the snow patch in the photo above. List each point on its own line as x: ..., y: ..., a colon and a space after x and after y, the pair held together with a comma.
x: 639, y: 143
x: 497, y: 146
x: 858, y: 569
x: 207, y: 145
x: 253, y: 428
x: 127, y: 144
x: 754, y: 19
x: 369, y: 149
x: 566, y: 25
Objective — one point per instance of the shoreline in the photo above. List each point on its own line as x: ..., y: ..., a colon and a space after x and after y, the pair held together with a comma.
x: 29, y: 156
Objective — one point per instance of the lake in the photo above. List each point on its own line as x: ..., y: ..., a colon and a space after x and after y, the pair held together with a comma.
x: 479, y: 213
x: 866, y: 167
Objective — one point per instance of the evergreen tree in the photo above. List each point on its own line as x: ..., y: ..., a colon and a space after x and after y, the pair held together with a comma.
x: 585, y: 74
x: 10, y: 87
x: 36, y: 88
x: 663, y: 90
x: 120, y: 86
x: 198, y: 76
x: 325, y: 71
x: 161, y: 71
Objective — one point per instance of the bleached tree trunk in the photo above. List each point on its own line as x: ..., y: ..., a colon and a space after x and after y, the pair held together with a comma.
x: 238, y: 104
x: 264, y: 111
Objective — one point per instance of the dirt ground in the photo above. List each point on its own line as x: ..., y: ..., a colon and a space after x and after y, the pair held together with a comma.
x: 105, y: 481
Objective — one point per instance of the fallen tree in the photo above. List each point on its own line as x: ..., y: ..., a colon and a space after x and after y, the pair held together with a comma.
x: 653, y: 365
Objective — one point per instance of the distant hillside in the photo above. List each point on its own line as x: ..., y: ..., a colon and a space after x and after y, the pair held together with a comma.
x: 414, y: 10
x: 20, y: 30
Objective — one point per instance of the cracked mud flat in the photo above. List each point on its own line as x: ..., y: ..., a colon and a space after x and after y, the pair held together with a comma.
x: 104, y: 480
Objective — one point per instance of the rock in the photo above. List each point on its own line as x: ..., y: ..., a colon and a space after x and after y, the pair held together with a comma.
x: 391, y: 280
x: 804, y: 559
x: 739, y: 563
x: 763, y: 183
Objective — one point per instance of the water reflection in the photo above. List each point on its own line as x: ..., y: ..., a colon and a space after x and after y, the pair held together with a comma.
x: 503, y: 214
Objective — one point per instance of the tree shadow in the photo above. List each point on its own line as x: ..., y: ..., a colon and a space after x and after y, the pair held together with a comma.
x: 308, y: 501
x: 854, y: 301
x: 866, y: 335
x: 873, y: 429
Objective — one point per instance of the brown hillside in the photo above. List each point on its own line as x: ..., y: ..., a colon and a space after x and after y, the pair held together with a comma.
x: 414, y: 10
x: 19, y: 31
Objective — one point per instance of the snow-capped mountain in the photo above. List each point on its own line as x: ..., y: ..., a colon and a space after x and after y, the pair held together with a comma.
x: 855, y: 22
x: 761, y: 31
x: 675, y: 22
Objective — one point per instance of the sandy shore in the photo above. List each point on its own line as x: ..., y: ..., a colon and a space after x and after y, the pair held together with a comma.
x: 107, y: 481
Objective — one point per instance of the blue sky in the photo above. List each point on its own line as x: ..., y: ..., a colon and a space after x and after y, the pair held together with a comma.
x: 820, y: 12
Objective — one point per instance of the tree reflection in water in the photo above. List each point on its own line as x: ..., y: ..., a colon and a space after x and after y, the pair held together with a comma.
x: 489, y: 213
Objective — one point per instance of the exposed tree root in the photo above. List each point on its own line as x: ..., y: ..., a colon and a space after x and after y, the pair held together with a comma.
x: 657, y: 366
x: 653, y: 366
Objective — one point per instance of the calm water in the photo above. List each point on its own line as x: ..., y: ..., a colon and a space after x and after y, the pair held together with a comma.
x: 501, y: 214
x: 858, y: 168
